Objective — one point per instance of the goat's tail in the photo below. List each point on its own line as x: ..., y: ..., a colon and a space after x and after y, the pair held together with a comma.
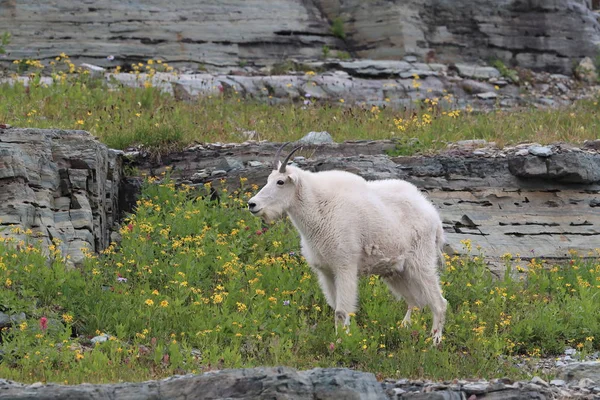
x: 440, y: 240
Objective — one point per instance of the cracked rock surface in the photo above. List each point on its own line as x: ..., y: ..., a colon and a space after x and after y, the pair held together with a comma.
x: 211, y: 33
x: 283, y: 383
x: 60, y: 185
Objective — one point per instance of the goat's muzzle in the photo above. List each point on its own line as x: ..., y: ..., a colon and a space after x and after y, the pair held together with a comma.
x: 252, y: 207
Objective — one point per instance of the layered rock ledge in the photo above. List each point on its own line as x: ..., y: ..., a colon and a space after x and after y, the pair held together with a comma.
x: 395, y: 84
x: 546, y: 35
x: 578, y: 381
x: 60, y: 185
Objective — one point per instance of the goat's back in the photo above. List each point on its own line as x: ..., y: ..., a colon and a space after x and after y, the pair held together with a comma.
x: 406, y: 201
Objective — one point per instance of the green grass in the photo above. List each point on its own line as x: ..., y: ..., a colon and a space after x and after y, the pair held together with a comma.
x: 195, y: 274
x: 337, y: 28
x: 145, y: 116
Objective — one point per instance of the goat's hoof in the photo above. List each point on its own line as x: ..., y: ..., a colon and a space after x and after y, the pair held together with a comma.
x: 343, y: 318
x: 436, y: 337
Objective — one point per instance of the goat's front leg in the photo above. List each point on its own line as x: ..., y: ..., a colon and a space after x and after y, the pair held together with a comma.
x: 346, y: 295
x: 326, y: 281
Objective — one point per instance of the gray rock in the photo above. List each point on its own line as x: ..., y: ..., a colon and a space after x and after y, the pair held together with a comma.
x: 586, y: 71
x: 218, y: 172
x: 8, y: 320
x: 581, y: 370
x: 477, y: 71
x: 199, y: 176
x: 255, y: 383
x: 471, y: 143
x: 317, y: 138
x: 375, y: 68
x: 565, y: 167
x: 93, y: 70
x: 522, y: 152
x: 410, y: 59
x: 255, y: 164
x: 539, y: 381
x: 592, y: 144
x: 557, y: 382
x: 100, y: 338
x: 421, y: 73
x: 562, y: 87
x: 540, y: 151
x: 587, y: 382
x: 69, y: 180
x: 475, y: 87
x: 476, y: 387
x: 570, y: 351
x: 230, y: 163
x: 487, y: 95
x: 545, y: 101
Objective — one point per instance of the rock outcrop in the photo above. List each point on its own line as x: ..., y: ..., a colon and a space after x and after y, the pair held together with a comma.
x: 60, y: 185
x: 395, y: 84
x: 256, y: 383
x: 533, y: 34
x: 548, y: 35
x: 283, y: 383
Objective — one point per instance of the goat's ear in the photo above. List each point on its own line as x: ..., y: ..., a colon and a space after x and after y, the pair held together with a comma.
x: 293, y: 177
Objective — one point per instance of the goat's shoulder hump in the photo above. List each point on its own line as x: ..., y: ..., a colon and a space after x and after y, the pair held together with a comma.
x: 340, y: 175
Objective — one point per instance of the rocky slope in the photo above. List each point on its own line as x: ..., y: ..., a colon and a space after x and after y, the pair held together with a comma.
x: 578, y: 381
x: 397, y: 84
x: 548, y: 35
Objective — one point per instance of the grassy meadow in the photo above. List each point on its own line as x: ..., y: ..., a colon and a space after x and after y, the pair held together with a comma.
x: 145, y: 116
x: 197, y: 285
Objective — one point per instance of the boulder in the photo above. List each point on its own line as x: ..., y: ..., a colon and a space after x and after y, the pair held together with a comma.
x: 586, y: 71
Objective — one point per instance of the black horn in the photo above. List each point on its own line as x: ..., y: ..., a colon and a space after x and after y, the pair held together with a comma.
x: 278, y: 154
x: 283, y: 165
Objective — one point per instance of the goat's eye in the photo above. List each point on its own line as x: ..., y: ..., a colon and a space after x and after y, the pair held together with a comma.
x: 280, y: 182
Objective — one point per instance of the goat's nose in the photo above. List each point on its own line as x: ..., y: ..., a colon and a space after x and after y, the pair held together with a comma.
x: 251, y: 205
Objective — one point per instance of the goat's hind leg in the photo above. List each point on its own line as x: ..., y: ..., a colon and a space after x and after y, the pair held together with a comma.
x: 427, y: 284
x: 438, y: 305
x: 398, y: 287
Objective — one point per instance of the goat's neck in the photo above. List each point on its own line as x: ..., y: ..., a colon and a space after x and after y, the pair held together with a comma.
x: 304, y: 213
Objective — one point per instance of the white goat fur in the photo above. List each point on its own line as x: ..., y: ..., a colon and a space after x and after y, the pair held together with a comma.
x: 351, y: 227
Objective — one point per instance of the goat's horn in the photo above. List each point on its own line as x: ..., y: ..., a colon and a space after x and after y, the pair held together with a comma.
x: 279, y: 153
x: 282, y: 168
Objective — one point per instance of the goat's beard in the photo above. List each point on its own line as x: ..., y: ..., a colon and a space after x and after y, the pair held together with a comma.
x: 270, y: 215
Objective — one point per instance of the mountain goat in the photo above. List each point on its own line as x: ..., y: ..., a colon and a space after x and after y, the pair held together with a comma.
x: 351, y: 227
